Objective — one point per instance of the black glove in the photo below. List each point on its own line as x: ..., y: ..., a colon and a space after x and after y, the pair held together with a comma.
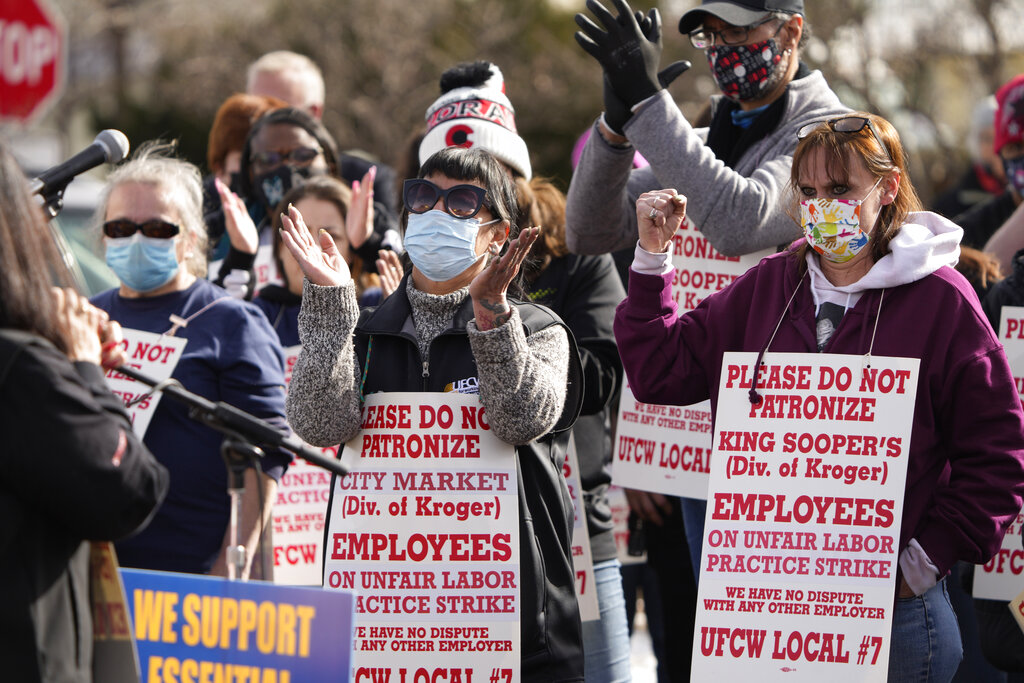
x: 628, y: 55
x: 616, y: 113
x: 673, y: 70
x: 629, y: 52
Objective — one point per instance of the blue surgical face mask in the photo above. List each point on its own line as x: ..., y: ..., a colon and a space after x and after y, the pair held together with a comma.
x: 440, y: 245
x: 142, y: 263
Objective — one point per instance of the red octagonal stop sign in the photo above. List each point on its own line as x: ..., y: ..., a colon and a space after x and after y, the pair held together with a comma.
x: 32, y: 53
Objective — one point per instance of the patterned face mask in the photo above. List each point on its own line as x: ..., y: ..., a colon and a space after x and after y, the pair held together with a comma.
x: 744, y: 72
x: 832, y: 226
x: 1015, y: 173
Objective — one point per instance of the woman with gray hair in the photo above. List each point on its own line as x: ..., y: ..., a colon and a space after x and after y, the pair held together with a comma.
x: 153, y: 233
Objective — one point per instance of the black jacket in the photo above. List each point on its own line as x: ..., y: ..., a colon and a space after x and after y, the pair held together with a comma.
x: 584, y: 291
x: 982, y: 220
x: 1007, y: 292
x: 551, y: 640
x: 73, y: 471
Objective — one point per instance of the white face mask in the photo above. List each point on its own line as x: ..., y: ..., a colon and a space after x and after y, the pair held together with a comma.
x: 832, y: 226
x: 440, y: 245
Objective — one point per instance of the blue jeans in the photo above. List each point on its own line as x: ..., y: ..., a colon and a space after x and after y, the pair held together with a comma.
x: 606, y: 641
x: 694, y: 510
x: 925, y: 638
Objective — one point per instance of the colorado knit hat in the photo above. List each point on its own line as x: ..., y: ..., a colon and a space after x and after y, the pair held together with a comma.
x: 473, y: 111
x: 737, y: 12
x: 1009, y: 121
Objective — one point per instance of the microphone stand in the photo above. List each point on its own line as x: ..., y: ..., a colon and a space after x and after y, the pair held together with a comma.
x: 244, y: 434
x: 53, y: 200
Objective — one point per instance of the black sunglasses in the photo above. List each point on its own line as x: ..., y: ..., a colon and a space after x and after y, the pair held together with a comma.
x: 845, y: 124
x: 154, y: 227
x: 461, y: 201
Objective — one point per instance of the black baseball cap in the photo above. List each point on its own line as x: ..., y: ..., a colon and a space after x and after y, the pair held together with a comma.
x: 737, y: 12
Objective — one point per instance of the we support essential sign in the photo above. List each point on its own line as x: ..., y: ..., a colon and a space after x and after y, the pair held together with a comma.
x: 667, y: 449
x: 803, y: 518
x: 198, y: 628
x: 425, y: 529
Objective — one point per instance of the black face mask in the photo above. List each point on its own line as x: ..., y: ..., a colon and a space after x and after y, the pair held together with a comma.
x: 271, y: 187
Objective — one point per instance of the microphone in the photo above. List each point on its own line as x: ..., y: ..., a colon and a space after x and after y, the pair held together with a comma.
x: 110, y: 146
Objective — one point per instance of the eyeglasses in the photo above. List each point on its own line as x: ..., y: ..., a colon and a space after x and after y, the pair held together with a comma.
x: 461, y: 201
x: 846, y: 124
x: 300, y: 156
x: 702, y: 38
x: 154, y: 227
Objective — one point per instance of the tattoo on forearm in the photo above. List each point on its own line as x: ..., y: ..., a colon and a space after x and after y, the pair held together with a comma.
x: 501, y: 311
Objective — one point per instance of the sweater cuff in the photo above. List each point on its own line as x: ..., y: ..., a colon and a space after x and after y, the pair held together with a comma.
x: 649, y: 263
x: 498, y: 345
x: 327, y: 313
x: 644, y: 102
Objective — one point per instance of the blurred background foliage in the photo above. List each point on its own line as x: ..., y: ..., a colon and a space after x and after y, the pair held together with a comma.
x: 161, y: 68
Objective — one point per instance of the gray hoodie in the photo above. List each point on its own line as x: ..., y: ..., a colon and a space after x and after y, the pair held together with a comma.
x: 740, y: 210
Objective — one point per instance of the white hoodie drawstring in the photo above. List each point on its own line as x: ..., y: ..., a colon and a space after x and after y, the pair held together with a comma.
x: 878, y: 314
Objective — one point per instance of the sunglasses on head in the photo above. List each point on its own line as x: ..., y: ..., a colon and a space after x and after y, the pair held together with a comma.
x: 461, y: 201
x: 845, y: 124
x: 154, y: 227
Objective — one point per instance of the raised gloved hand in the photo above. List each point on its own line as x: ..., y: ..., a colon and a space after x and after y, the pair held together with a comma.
x: 629, y: 51
x: 616, y: 112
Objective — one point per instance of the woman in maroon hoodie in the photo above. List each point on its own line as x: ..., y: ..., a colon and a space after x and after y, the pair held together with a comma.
x: 824, y: 294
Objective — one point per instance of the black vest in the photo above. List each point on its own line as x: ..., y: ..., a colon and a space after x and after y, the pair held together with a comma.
x: 389, y: 359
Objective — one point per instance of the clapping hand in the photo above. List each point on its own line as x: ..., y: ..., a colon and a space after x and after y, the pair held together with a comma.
x: 321, y: 262
x: 489, y: 287
x: 359, y: 221
x: 237, y: 221
x: 628, y: 46
x: 389, y: 270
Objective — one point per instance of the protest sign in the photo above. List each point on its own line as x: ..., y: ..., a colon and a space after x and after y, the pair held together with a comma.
x: 582, y: 559
x: 154, y: 355
x: 1017, y: 607
x: 201, y: 628
x: 667, y: 449
x: 113, y: 650
x: 300, y: 512
x: 803, y: 518
x: 1002, y: 577
x: 425, y: 529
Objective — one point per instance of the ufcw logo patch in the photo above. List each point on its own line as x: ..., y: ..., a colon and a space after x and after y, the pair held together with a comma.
x: 469, y: 385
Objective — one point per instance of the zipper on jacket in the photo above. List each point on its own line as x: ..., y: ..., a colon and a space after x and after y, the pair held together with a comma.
x: 426, y: 374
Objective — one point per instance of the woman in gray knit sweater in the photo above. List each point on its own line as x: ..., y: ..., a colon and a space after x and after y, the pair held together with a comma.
x: 451, y: 320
